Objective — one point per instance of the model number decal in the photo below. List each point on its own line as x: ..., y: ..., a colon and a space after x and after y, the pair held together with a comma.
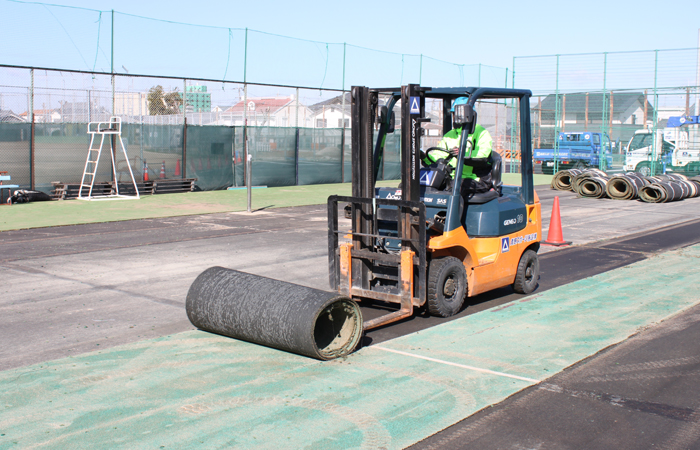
x: 521, y: 239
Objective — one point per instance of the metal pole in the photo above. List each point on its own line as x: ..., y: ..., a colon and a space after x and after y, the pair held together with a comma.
x: 343, y: 99
x: 184, y: 127
x: 296, y: 158
x: 696, y: 137
x: 245, y: 57
x: 112, y: 52
x: 556, y: 121
x: 479, y: 82
x: 655, y: 119
x: 420, y: 73
x: 342, y: 131
x: 248, y: 157
x: 296, y: 120
x: 31, y: 131
x: 512, y: 122
x: 697, y: 80
x: 603, y: 113
x: 112, y: 64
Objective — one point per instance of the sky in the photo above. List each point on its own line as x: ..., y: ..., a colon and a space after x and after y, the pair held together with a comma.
x: 457, y: 31
x: 461, y: 32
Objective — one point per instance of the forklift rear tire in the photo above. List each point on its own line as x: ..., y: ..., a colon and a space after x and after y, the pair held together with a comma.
x: 528, y: 274
x: 447, y: 286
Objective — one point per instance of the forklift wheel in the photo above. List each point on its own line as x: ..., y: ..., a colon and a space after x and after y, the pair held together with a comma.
x: 447, y: 286
x: 528, y: 273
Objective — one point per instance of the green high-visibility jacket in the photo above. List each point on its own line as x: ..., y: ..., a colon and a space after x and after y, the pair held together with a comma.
x: 482, y: 144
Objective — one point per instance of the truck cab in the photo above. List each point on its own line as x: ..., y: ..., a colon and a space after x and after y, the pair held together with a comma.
x: 576, y: 150
x: 673, y: 153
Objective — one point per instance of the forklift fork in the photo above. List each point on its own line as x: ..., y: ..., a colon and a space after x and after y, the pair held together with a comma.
x: 354, y: 264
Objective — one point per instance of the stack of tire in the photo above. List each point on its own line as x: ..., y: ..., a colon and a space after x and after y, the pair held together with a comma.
x: 593, y: 183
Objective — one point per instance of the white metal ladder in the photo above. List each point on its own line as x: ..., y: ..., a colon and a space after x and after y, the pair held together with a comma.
x: 104, y: 129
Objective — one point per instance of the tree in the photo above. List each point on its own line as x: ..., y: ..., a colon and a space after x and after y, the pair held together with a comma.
x: 163, y: 103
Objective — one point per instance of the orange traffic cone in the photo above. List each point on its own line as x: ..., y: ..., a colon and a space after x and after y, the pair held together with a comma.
x: 145, y: 171
x: 162, y: 170
x: 554, y: 236
x: 177, y: 168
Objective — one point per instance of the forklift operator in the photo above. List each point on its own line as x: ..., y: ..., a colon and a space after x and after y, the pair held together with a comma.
x: 476, y: 175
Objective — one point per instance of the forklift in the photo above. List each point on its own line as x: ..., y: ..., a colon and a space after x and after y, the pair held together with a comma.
x: 422, y: 244
x: 419, y: 245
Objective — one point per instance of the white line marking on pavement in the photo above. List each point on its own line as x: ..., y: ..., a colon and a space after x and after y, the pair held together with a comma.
x: 463, y: 366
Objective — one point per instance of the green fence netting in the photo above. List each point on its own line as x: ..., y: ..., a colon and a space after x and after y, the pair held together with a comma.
x: 209, y: 156
x: 15, y: 156
x: 213, y: 155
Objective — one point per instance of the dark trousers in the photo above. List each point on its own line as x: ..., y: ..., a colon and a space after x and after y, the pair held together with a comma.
x: 470, y: 186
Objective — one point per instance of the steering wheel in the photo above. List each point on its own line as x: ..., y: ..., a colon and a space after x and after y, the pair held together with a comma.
x: 447, y: 158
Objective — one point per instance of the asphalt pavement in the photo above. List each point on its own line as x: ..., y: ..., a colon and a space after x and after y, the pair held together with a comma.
x: 84, y: 289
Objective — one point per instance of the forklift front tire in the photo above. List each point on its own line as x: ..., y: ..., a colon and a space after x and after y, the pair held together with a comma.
x: 447, y: 286
x: 528, y: 274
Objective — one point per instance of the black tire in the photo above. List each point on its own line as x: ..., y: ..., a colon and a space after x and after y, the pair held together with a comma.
x: 447, y: 286
x: 580, y: 165
x: 644, y: 168
x: 528, y: 273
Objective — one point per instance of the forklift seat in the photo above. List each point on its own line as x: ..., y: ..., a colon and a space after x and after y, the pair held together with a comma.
x: 495, y: 191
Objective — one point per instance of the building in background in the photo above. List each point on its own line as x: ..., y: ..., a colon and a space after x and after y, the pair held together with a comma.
x: 330, y: 113
x: 8, y: 116
x: 130, y: 103
x: 267, y: 112
x: 197, y: 99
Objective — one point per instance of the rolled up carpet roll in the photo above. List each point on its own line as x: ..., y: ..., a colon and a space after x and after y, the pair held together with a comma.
x: 593, y: 187
x: 286, y: 316
x: 695, y: 180
x: 584, y: 175
x: 692, y: 187
x: 662, y: 192
x: 563, y: 179
x: 625, y: 186
x: 652, y: 193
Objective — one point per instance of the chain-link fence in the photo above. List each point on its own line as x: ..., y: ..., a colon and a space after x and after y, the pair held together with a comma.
x: 294, y: 135
x: 182, y: 128
x: 622, y: 111
x: 44, y: 35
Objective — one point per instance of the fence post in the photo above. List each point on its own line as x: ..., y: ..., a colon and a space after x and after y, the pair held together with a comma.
x: 654, y: 150
x: 184, y: 129
x: 296, y: 157
x: 342, y: 131
x: 112, y: 64
x: 296, y: 108
x: 556, y: 121
x: 420, y: 72
x: 512, y: 122
x: 32, y: 169
x: 184, y: 150
x: 603, y: 113
x: 247, y: 163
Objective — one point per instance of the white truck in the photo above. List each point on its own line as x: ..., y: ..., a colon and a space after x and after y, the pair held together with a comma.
x: 674, y: 151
